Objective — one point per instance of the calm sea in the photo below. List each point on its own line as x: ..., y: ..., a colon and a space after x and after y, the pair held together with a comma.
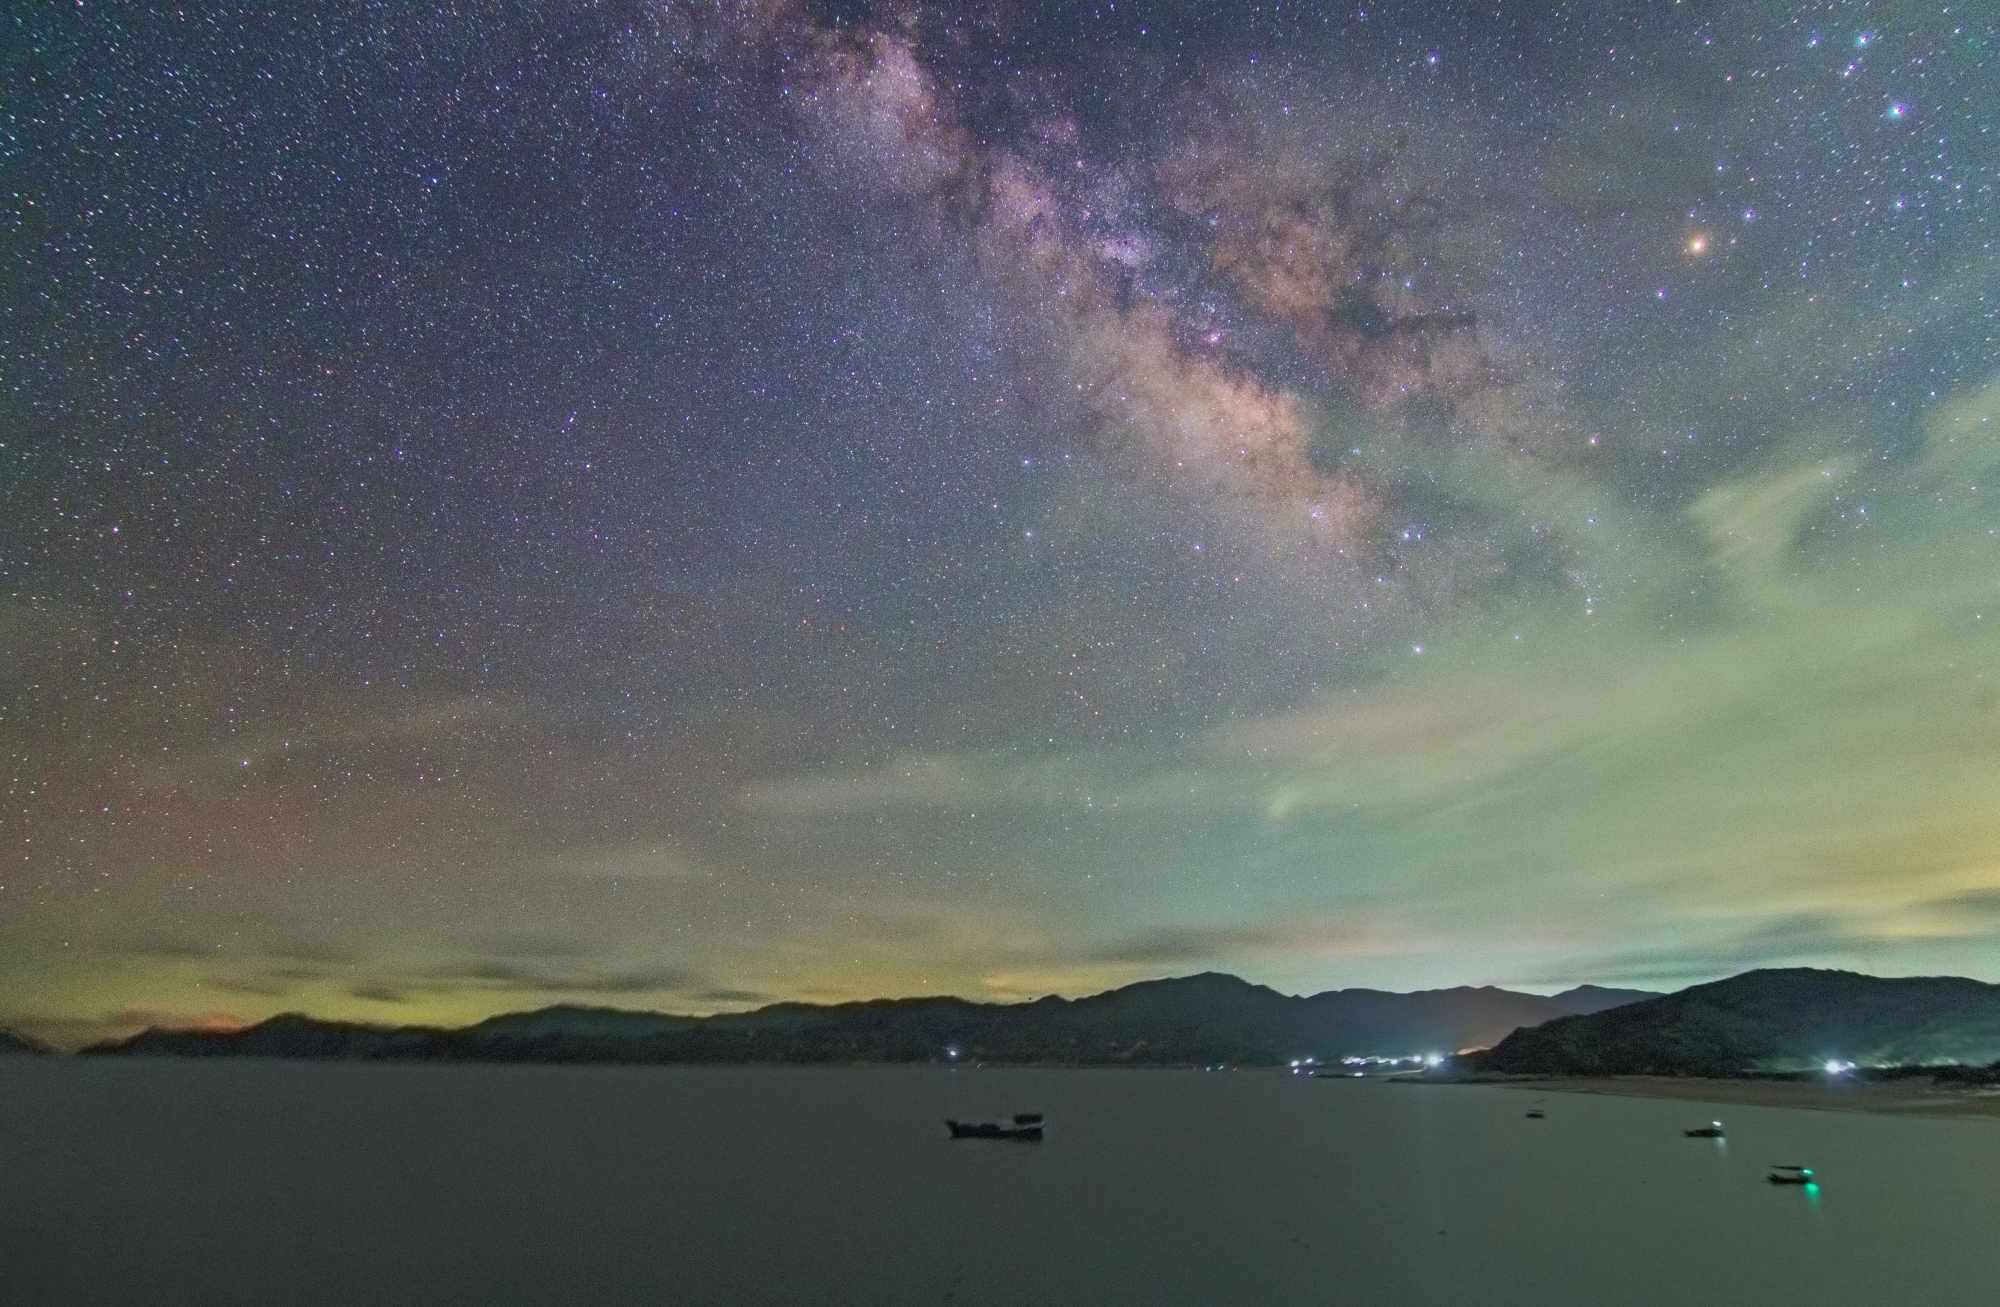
x: 278, y: 1185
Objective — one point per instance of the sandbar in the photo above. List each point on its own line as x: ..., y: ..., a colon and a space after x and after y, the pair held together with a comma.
x: 1913, y: 1097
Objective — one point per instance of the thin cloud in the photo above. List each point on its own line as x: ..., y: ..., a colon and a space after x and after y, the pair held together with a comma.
x: 262, y: 988
x: 1978, y: 906
x: 381, y: 994
x: 732, y: 996
x: 529, y: 944
x: 307, y: 949
x: 165, y: 945
x: 1791, y: 939
x: 1185, y: 945
x: 513, y: 976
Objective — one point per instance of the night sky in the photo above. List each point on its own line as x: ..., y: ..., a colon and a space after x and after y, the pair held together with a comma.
x: 682, y: 505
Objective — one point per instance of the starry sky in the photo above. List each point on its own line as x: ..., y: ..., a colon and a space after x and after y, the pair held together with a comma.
x: 683, y: 504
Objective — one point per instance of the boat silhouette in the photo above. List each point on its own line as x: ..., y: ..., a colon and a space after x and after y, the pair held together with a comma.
x: 1713, y: 1130
x: 1023, y: 1131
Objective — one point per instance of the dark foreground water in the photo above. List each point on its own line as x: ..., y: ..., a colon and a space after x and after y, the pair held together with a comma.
x: 128, y: 1184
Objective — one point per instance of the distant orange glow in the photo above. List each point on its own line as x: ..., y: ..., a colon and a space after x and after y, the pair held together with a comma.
x: 1697, y: 244
x: 214, y: 1023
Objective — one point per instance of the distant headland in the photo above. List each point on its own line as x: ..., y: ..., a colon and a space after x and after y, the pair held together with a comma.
x: 1766, y: 1022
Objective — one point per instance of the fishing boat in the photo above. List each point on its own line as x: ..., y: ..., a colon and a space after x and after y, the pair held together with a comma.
x: 1022, y: 1132
x: 1785, y: 1173
x: 1713, y: 1130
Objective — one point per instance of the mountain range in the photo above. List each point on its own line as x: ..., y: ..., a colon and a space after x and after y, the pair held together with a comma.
x: 1192, y: 1020
x: 1762, y: 1021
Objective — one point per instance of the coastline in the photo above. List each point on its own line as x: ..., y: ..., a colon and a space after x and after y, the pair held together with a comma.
x: 1888, y: 1098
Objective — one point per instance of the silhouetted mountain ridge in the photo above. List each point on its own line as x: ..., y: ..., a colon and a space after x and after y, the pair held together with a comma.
x: 1190, y: 1020
x: 1769, y: 1020
x: 14, y: 1044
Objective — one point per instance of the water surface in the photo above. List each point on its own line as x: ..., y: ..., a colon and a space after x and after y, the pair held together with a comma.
x: 212, y: 1184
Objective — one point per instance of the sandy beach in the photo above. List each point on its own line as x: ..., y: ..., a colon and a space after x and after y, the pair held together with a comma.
x: 1895, y: 1098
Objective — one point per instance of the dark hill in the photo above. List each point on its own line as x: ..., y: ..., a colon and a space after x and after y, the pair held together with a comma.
x: 1775, y: 1020
x: 15, y: 1044
x: 287, y: 1036
x: 1193, y: 1020
x: 1595, y: 998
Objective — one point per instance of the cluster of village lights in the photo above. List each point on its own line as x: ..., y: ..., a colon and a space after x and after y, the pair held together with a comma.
x: 1304, y: 1065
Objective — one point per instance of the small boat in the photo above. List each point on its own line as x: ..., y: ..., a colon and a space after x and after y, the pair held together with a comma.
x: 1536, y: 1114
x: 1784, y: 1173
x: 1022, y: 1134
x: 1713, y: 1130
x: 1027, y: 1118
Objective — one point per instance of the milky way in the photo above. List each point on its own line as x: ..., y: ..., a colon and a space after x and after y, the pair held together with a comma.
x: 677, y: 505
